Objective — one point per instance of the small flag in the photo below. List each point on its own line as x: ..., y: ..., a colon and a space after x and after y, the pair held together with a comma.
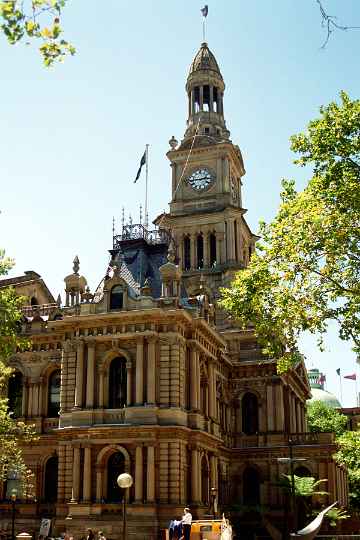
x: 352, y: 377
x: 142, y: 162
x: 338, y: 371
x: 205, y: 11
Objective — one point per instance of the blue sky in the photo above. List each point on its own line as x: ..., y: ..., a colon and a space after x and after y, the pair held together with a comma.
x: 71, y: 137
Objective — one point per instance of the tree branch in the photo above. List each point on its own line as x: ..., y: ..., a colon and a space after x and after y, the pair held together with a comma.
x: 329, y: 22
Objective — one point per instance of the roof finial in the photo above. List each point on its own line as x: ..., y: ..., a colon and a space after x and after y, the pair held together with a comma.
x: 141, y: 216
x: 123, y: 217
x: 76, y: 265
x: 130, y: 220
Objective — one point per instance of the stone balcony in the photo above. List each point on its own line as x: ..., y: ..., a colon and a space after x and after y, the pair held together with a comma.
x: 277, y: 439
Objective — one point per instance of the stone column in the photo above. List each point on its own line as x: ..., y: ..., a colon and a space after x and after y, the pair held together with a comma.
x: 139, y: 474
x: 79, y: 375
x: 139, y: 398
x: 201, y: 98
x: 24, y: 399
x: 128, y: 384
x: 41, y: 411
x: 213, y: 472
x: 212, y: 391
x: 279, y: 405
x: 101, y: 389
x: 151, y: 368
x: 230, y: 240
x: 87, y: 474
x: 30, y: 400
x: 195, y: 491
x: 36, y: 398
x: 76, y: 474
x: 211, y: 105
x: 270, y: 407
x: 193, y: 379
x: 99, y: 482
x: 150, y: 484
x: 61, y: 474
x: 90, y: 375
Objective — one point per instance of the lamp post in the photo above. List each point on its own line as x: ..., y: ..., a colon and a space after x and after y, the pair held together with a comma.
x: 291, y: 460
x: 213, y: 501
x: 124, y: 481
x: 13, y: 501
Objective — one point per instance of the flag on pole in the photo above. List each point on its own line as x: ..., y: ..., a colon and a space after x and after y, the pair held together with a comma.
x: 142, y: 163
x: 205, y: 11
x: 338, y: 371
x: 352, y: 377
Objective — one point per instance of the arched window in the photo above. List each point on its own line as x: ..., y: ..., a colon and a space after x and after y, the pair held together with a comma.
x: 212, y: 246
x: 116, y: 297
x: 54, y: 394
x: 302, y: 472
x: 116, y: 466
x: 250, y: 414
x: 15, y: 394
x: 204, y: 481
x: 251, y: 486
x: 187, y: 257
x: 51, y: 479
x: 117, y: 384
x: 34, y: 301
x: 200, y: 251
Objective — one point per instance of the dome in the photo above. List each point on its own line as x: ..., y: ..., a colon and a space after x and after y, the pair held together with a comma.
x: 325, y: 397
x: 204, y: 60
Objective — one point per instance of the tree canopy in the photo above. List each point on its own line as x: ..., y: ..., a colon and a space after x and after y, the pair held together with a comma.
x: 12, y: 432
x: 36, y: 20
x: 322, y: 419
x: 306, y: 268
x: 349, y: 455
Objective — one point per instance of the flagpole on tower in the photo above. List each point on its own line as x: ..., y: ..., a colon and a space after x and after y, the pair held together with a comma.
x: 204, y: 12
x: 146, y: 188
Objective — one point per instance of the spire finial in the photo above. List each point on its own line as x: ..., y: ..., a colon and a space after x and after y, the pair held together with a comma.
x: 130, y: 220
x: 141, y: 216
x: 123, y: 217
x: 76, y: 265
x: 171, y: 252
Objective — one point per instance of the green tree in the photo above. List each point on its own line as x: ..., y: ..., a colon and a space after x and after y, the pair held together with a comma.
x: 31, y: 20
x: 306, y: 269
x: 349, y: 455
x: 322, y: 419
x: 12, y: 432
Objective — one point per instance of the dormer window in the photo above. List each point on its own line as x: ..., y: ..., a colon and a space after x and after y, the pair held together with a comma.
x: 116, y: 297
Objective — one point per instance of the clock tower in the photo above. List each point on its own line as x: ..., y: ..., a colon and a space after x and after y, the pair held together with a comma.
x: 206, y: 216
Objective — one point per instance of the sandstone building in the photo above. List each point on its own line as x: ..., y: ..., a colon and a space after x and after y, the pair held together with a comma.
x: 147, y: 375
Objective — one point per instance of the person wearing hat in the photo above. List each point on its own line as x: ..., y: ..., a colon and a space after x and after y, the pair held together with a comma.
x: 186, y: 524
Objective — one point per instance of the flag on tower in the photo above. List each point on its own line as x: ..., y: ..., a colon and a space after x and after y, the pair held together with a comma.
x: 352, y: 377
x: 205, y: 11
x: 338, y: 371
x: 142, y: 163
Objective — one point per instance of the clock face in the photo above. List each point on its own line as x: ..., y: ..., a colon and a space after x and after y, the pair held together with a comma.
x: 200, y: 179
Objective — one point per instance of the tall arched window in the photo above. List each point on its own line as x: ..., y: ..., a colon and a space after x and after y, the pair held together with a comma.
x: 116, y: 297
x: 54, y: 394
x: 250, y: 414
x: 204, y: 481
x: 51, y: 479
x: 187, y: 257
x: 34, y: 301
x: 200, y: 251
x: 251, y: 486
x: 15, y: 394
x: 212, y: 250
x: 117, y: 383
x: 115, y: 466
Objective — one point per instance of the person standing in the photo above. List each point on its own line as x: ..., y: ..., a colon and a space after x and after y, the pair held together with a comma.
x: 186, y: 524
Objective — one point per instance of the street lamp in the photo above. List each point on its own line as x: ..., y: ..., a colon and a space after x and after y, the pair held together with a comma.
x: 291, y: 460
x: 13, y: 501
x: 213, y: 501
x: 124, y: 481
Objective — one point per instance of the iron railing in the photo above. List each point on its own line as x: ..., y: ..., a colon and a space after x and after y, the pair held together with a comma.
x: 137, y: 231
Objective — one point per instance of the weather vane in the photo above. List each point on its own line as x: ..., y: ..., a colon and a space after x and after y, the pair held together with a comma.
x: 204, y: 11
